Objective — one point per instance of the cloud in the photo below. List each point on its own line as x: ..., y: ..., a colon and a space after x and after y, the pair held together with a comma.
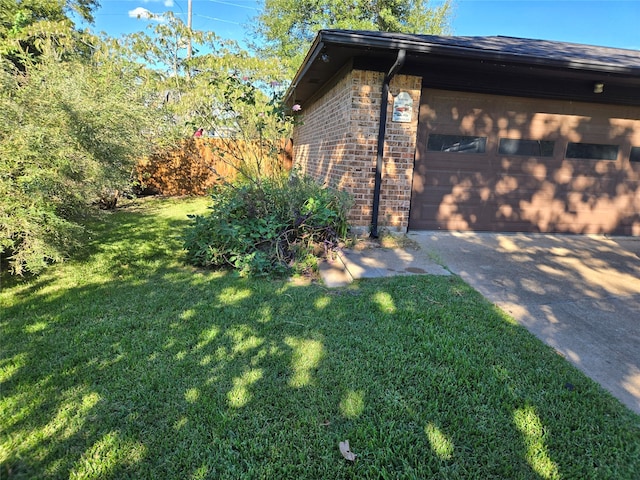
x: 141, y: 13
x: 145, y: 14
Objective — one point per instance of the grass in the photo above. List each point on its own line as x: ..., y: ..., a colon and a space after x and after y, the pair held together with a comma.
x: 126, y: 363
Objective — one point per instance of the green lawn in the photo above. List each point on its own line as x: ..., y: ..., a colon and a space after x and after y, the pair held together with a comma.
x: 125, y: 363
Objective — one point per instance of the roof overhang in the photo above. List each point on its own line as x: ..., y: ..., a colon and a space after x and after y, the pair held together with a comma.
x: 506, y: 65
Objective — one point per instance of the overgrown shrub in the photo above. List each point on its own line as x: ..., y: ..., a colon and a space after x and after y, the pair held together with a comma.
x: 260, y: 222
x: 70, y: 134
x: 267, y: 227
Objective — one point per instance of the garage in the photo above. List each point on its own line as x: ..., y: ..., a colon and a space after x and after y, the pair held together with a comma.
x: 502, y: 163
x: 492, y: 133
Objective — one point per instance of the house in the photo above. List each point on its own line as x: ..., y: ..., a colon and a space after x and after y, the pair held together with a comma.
x: 472, y: 133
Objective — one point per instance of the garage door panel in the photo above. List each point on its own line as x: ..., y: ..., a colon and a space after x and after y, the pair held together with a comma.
x: 487, y: 206
x: 523, y: 185
x: 534, y: 221
x: 547, y: 192
x: 536, y: 167
x: 443, y: 217
x: 571, y: 200
x: 527, y: 166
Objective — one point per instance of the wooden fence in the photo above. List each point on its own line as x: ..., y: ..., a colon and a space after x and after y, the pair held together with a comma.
x: 194, y: 166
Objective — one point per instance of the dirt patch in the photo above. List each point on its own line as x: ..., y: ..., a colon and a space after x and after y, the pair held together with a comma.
x: 385, y: 240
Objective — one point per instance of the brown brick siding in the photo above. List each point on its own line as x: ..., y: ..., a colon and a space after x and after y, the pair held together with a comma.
x: 337, y: 141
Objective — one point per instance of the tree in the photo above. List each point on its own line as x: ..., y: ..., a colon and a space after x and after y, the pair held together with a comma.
x: 79, y: 111
x: 287, y: 27
x: 26, y: 25
x: 72, y: 130
x: 188, y: 88
x: 233, y: 96
x: 31, y: 11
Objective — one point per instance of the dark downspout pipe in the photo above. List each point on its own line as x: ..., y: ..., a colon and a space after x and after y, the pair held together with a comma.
x: 384, y: 105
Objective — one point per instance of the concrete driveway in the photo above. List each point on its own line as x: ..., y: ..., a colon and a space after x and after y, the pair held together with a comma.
x: 579, y: 294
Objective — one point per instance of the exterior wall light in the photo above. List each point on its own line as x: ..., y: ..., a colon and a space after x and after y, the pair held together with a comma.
x: 598, y: 87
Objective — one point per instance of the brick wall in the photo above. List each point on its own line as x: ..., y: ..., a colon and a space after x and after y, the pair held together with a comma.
x: 337, y: 142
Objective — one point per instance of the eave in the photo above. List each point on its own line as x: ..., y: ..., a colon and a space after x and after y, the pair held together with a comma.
x: 487, y: 64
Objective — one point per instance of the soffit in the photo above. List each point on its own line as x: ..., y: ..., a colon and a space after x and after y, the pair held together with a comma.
x: 503, y: 62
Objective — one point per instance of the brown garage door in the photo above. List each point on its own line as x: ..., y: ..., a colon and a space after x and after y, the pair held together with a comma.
x: 496, y: 163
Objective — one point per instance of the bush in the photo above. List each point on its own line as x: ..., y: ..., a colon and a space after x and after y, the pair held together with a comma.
x: 70, y: 133
x: 269, y: 226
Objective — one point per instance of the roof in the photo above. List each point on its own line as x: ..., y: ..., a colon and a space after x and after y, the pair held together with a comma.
x: 523, y: 48
x: 332, y: 49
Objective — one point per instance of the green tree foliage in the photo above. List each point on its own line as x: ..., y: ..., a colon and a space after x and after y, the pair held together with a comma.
x: 71, y: 132
x: 165, y: 47
x: 220, y: 88
x: 27, y: 26
x: 189, y: 88
x: 286, y: 27
x: 249, y: 122
x: 32, y: 11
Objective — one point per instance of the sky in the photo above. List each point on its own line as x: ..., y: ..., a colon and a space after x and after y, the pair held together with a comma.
x: 611, y: 23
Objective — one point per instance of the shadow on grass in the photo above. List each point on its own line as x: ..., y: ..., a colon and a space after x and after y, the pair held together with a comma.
x: 131, y: 365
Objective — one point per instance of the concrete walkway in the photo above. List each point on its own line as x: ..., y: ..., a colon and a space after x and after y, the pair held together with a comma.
x: 375, y: 262
x: 579, y: 294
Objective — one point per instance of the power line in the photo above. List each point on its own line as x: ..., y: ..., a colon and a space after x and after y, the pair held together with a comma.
x: 216, y: 19
x: 234, y: 4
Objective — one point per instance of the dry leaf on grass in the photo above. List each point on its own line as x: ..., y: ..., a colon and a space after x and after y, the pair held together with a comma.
x: 346, y: 452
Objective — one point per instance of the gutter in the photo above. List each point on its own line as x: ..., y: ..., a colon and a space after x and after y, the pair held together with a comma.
x: 384, y: 106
